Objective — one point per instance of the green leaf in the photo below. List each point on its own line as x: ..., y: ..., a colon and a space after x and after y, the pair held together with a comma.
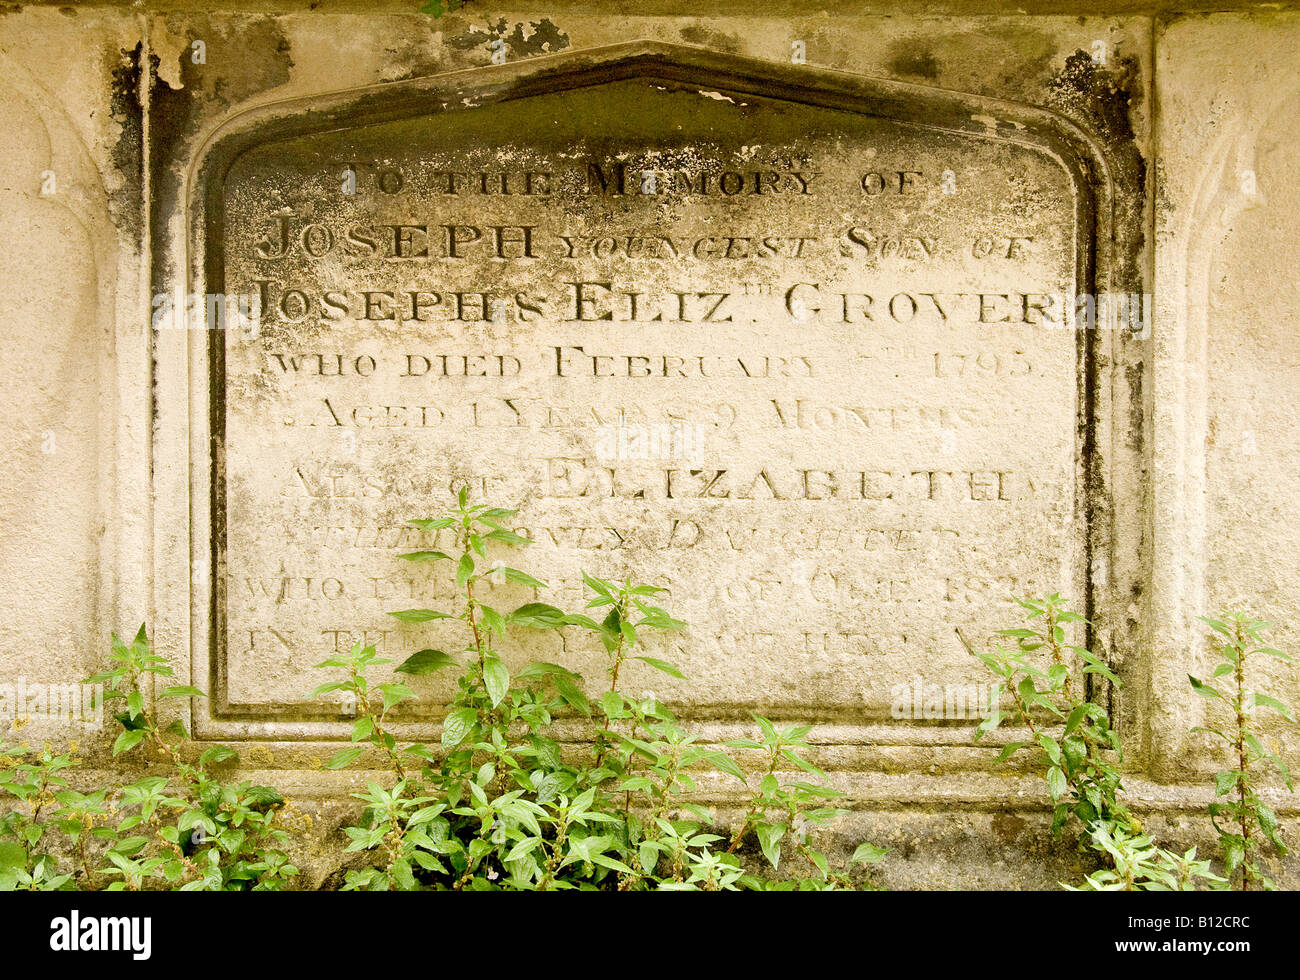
x: 1075, y: 751
x: 432, y: 524
x: 523, y: 578
x: 1049, y: 746
x: 419, y: 615
x: 217, y: 755
x: 769, y: 839
x: 537, y: 615
x: 182, y: 691
x: 597, y: 585
x: 1257, y: 700
x: 868, y: 853
x: 12, y: 856
x: 605, y: 861
x: 1204, y: 690
x: 464, y: 569
x: 426, y: 556
x: 522, y: 849
x: 1267, y: 820
x: 540, y: 668
x: 457, y: 726
x: 988, y: 724
x: 507, y: 537
x: 262, y: 797
x: 1234, y: 852
x: 1273, y: 653
x: 394, y: 694
x: 1217, y: 626
x: 547, y: 751
x: 496, y: 678
x: 571, y: 694
x: 769, y: 731
x: 1224, y: 782
x: 724, y: 763
x: 1076, y: 716
x: 1056, y: 784
x: 425, y: 662
x: 327, y: 687
x: 1010, y: 749
x: 128, y: 740
x: 663, y: 665
x: 493, y: 621
x: 345, y: 757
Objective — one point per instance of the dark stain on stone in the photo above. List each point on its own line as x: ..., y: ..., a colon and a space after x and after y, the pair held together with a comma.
x: 541, y: 37
x: 545, y: 37
x: 258, y: 44
x: 172, y: 117
x: 912, y: 56
x: 414, y: 58
x: 127, y: 111
x: 709, y: 38
x: 1099, y: 93
x: 1008, y: 826
x: 1101, y: 98
x: 1136, y: 418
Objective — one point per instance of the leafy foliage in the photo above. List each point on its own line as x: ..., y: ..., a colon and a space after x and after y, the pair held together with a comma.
x: 1138, y: 864
x: 502, y: 807
x: 1045, y: 678
x: 186, y: 830
x: 1249, y: 825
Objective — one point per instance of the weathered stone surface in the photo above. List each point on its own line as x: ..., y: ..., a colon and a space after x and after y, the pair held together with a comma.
x: 69, y: 304
x: 833, y: 484
x: 794, y: 363
x: 1225, y: 430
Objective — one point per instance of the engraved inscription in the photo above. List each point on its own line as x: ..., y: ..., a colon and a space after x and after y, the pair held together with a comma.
x: 792, y: 363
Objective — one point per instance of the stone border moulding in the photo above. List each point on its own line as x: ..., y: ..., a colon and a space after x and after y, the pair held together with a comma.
x: 194, y: 614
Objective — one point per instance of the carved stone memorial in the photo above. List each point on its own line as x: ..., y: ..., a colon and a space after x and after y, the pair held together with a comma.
x: 797, y: 347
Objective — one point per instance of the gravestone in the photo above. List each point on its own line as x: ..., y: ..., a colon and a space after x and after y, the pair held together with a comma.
x: 795, y: 346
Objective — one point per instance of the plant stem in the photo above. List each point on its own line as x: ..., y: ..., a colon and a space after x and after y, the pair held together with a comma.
x: 754, y: 808
x: 1243, y: 760
x: 613, y: 687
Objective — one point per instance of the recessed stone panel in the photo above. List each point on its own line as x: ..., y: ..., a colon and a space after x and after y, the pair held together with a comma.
x: 789, y: 353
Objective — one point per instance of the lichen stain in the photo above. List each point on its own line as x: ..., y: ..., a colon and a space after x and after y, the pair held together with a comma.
x: 913, y: 56
x: 541, y: 37
x: 126, y: 110
x: 1099, y: 94
x: 1133, y: 375
x: 261, y: 754
x: 709, y: 38
x: 175, y: 114
x: 1008, y: 826
x: 411, y: 58
x: 1102, y: 97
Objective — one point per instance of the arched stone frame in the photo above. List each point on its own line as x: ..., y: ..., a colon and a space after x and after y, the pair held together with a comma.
x: 1097, y: 238
x: 80, y: 196
x: 1180, y: 361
